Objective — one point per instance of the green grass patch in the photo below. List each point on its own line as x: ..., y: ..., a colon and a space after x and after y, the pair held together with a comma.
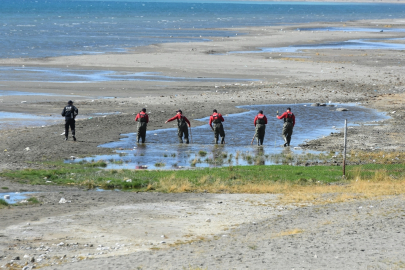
x: 3, y: 202
x: 224, y: 178
x: 33, y: 200
x: 4, y: 187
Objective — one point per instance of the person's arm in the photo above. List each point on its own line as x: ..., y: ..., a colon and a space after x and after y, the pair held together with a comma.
x: 210, y: 123
x: 282, y: 116
x: 254, y: 121
x: 64, y: 111
x: 147, y: 118
x: 172, y: 119
x: 293, y: 117
x: 222, y: 119
x: 188, y: 122
x: 265, y: 120
x: 137, y: 117
x: 75, y: 112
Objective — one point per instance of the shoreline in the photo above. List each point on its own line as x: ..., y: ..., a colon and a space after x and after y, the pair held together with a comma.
x: 124, y: 230
x: 344, y: 76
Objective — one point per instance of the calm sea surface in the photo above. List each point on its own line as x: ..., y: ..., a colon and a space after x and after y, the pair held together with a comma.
x: 40, y: 28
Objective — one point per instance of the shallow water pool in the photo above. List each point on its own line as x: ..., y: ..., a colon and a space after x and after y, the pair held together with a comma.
x: 354, y: 44
x: 162, y: 150
x: 15, y: 197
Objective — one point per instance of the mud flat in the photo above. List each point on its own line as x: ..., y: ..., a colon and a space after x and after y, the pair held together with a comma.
x: 149, y: 230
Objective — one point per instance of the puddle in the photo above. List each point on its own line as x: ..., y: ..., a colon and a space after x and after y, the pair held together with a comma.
x: 15, y: 197
x: 18, y: 93
x: 15, y: 120
x: 355, y: 44
x: 59, y: 75
x: 162, y: 150
x: 353, y: 29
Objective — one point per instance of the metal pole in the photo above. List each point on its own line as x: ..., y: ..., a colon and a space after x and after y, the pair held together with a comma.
x: 344, y: 149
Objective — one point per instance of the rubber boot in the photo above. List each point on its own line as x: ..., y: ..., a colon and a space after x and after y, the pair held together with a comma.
x: 216, y: 140
x: 223, y: 140
x: 261, y: 141
x: 187, y: 141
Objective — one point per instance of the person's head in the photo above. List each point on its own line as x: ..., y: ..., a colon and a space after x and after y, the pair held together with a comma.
x: 289, y: 109
x: 70, y: 102
x: 179, y: 112
x: 260, y: 112
x: 215, y: 110
x: 143, y: 109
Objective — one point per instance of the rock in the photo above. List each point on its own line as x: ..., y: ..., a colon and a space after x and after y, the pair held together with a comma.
x: 72, y: 157
x: 315, y: 104
x: 341, y: 109
x: 7, y: 197
x: 27, y: 149
x: 26, y: 268
x: 322, y: 104
x: 208, y: 220
x: 62, y: 200
x: 17, y: 258
x: 128, y: 181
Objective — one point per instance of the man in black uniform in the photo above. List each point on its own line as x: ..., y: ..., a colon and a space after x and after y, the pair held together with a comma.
x: 70, y: 112
x: 143, y: 119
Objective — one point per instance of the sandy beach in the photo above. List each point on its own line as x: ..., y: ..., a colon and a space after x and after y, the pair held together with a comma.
x: 124, y: 230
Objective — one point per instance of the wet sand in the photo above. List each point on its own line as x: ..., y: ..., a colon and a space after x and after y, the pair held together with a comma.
x: 328, y: 237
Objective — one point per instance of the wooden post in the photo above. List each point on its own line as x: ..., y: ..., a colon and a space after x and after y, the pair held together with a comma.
x: 344, y: 149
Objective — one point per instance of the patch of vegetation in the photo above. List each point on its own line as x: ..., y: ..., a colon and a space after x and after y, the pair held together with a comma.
x: 297, y: 184
x: 202, y: 153
x: 4, y: 187
x: 3, y: 202
x: 33, y: 200
x: 160, y: 164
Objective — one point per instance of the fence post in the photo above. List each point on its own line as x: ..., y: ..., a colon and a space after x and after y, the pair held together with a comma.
x: 344, y: 149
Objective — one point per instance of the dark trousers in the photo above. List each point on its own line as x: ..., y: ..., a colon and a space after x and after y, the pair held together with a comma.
x: 260, y: 132
x: 70, y: 123
x: 287, y: 132
x: 182, y: 131
x: 219, y: 131
x: 141, y: 134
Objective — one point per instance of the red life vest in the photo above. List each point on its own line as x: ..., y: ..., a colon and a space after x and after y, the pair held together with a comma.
x: 216, y: 118
x: 289, y: 118
x: 260, y: 119
x: 142, y: 117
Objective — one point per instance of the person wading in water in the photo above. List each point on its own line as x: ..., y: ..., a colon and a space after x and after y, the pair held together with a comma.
x: 182, y: 128
x: 289, y: 123
x: 217, y: 119
x: 143, y: 119
x: 260, y: 124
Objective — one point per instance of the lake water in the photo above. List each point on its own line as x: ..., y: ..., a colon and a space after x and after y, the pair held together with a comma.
x: 162, y: 150
x: 43, y: 28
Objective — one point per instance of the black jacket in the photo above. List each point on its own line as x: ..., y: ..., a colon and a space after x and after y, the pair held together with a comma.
x: 70, y: 112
